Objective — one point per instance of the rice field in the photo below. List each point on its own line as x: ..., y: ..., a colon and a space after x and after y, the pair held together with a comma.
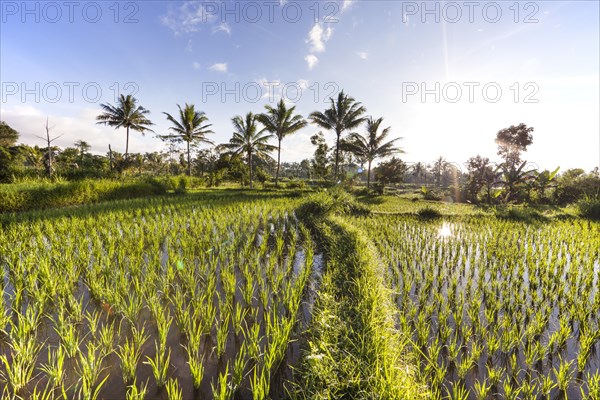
x: 496, y: 308
x: 210, y: 295
x: 165, y: 300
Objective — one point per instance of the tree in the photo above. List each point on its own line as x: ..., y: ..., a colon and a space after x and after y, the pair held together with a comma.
x: 343, y: 114
x: 543, y: 181
x: 83, y: 147
x: 6, y: 161
x: 249, y: 140
x: 481, y: 174
x: 514, y: 179
x: 512, y: 141
x: 419, y: 170
x: 127, y: 114
x: 281, y: 121
x: 438, y: 168
x: 391, y: 171
x: 49, y: 149
x: 320, y: 162
x: 574, y: 184
x: 367, y: 149
x: 191, y: 128
x: 8, y: 136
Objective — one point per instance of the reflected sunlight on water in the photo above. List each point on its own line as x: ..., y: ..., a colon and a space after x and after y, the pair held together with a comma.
x: 445, y: 230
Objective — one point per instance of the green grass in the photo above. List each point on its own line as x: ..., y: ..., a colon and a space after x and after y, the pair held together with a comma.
x: 30, y: 196
x: 354, y: 349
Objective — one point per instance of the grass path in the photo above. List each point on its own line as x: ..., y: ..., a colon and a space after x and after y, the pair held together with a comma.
x: 355, y: 350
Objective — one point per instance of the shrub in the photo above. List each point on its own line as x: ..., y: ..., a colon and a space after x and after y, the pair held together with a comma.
x: 335, y: 201
x: 296, y: 184
x: 428, y: 213
x: 589, y: 207
x: 516, y: 213
x: 430, y: 194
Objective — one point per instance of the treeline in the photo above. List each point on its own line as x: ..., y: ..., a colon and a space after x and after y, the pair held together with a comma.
x: 249, y: 156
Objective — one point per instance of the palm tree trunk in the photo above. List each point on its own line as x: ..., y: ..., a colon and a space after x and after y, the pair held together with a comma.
x: 337, y: 153
x: 369, y: 175
x: 127, y: 144
x: 250, y: 165
x: 278, y: 163
x: 189, y: 164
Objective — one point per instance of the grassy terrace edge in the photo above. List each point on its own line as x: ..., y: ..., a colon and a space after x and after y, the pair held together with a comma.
x: 355, y: 350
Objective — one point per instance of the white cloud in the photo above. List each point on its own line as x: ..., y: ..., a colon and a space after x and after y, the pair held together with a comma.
x: 317, y: 38
x: 302, y: 83
x: 346, y: 4
x: 363, y: 55
x: 187, y: 18
x: 311, y: 61
x: 271, y: 89
x: 196, y: 65
x: 222, y: 27
x: 30, y: 122
x: 218, y: 67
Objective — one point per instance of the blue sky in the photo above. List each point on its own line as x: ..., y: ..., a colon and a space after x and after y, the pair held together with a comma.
x: 395, y: 57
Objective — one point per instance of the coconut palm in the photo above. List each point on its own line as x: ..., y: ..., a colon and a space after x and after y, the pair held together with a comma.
x: 343, y: 114
x: 438, y: 168
x: 127, y: 114
x: 249, y: 140
x: 419, y: 169
x: 281, y: 121
x: 191, y: 129
x: 372, y: 146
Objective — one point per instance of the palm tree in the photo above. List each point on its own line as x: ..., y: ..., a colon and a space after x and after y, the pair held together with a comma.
x: 248, y: 139
x: 418, y: 170
x: 439, y: 166
x: 281, y: 122
x: 371, y: 147
x: 126, y: 114
x: 189, y: 129
x: 343, y: 114
x: 83, y: 147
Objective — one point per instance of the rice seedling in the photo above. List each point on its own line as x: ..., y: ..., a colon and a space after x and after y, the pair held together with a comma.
x: 55, y: 367
x: 19, y: 366
x: 159, y: 364
x: 173, y: 390
x: 129, y: 354
x: 196, y: 365
x: 481, y: 389
x: 135, y: 393
x: 222, y: 390
x: 89, y: 370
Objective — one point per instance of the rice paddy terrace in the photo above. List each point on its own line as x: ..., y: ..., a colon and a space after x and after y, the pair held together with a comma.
x: 233, y: 295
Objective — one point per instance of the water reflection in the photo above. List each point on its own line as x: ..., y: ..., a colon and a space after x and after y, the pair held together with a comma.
x: 445, y: 230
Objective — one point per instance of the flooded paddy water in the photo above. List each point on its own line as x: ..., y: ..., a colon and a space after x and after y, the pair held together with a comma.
x: 497, y: 309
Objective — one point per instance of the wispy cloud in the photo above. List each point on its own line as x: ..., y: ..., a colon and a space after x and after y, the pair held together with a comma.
x: 363, y: 55
x: 317, y: 38
x: 196, y: 65
x: 187, y: 18
x: 222, y: 27
x: 302, y: 83
x: 311, y: 61
x: 218, y: 67
x: 346, y: 4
